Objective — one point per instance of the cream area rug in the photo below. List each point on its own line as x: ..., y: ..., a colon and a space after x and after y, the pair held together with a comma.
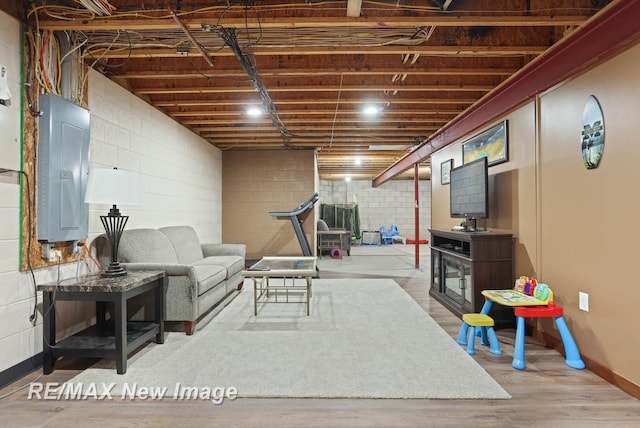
x: 363, y: 339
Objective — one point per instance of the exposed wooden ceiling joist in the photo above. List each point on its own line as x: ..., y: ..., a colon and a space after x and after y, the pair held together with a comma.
x: 307, y: 89
x: 313, y: 68
x: 196, y: 24
x: 615, y: 29
x: 186, y: 74
x: 486, y: 50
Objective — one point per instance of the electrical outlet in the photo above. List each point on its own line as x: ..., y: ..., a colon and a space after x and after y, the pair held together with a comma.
x: 55, y: 255
x: 583, y: 301
x: 74, y: 247
x: 47, y: 248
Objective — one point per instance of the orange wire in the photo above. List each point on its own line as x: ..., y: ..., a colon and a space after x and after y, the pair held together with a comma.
x: 45, y: 78
x: 84, y: 247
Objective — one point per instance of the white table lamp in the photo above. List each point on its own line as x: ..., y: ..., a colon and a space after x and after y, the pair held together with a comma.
x: 113, y: 187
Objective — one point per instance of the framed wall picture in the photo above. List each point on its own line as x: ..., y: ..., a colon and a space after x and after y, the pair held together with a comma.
x: 445, y: 171
x: 592, y: 133
x: 492, y: 144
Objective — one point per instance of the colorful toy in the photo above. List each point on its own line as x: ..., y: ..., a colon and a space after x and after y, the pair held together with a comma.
x: 543, y: 292
x: 525, y: 285
x: 530, y: 286
x: 519, y: 284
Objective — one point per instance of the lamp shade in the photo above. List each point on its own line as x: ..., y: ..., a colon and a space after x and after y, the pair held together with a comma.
x: 112, y: 187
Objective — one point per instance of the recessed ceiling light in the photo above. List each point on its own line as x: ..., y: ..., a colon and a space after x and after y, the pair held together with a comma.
x: 347, y: 179
x: 372, y: 110
x: 357, y: 161
x: 254, y: 111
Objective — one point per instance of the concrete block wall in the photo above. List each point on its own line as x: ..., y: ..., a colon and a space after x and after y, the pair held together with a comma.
x: 391, y: 203
x: 19, y: 339
x: 181, y: 184
x: 257, y: 182
x: 180, y: 173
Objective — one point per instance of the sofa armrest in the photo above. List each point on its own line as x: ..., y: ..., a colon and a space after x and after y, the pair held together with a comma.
x: 223, y: 250
x: 170, y: 269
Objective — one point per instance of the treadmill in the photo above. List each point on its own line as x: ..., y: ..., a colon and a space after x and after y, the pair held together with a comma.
x: 294, y: 215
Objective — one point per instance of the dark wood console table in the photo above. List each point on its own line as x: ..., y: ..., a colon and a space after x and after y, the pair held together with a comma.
x: 115, y: 338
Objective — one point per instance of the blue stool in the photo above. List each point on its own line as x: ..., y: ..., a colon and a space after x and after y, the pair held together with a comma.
x: 485, y: 325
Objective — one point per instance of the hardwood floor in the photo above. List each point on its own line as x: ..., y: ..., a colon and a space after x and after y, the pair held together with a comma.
x: 546, y: 394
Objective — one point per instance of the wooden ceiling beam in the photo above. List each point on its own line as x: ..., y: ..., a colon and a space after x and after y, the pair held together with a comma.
x: 346, y: 159
x: 340, y: 112
x: 308, y: 89
x: 192, y: 39
x: 313, y: 140
x: 289, y: 122
x: 198, y: 23
x: 321, y: 71
x: 344, y: 155
x: 316, y: 131
x: 235, y: 145
x: 396, y: 101
x: 390, y: 142
x: 474, y: 51
x: 359, y: 149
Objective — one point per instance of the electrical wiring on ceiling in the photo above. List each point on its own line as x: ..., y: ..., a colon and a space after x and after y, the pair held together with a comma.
x: 44, y: 51
x: 247, y: 62
x: 48, y: 64
x: 92, y: 8
x: 97, y: 7
x: 151, y: 11
x: 299, y: 37
x: 274, y: 37
x: 98, y: 41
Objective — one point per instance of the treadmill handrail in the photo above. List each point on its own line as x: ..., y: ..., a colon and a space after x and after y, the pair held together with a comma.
x: 299, y: 210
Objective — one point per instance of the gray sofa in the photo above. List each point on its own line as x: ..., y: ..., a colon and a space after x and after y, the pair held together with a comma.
x: 201, y: 277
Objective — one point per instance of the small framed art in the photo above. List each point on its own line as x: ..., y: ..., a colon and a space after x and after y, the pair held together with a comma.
x: 445, y: 171
x: 492, y: 143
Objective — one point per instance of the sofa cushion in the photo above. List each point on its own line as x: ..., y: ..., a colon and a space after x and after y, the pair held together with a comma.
x: 185, y: 243
x: 145, y: 245
x: 209, y: 276
x: 232, y: 264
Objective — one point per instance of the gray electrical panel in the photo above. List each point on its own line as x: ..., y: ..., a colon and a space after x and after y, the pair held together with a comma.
x: 63, y: 168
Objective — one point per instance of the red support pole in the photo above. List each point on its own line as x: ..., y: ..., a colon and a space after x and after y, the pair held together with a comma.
x: 416, y: 185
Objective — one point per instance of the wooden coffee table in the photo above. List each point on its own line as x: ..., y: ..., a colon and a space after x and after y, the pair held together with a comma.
x: 281, y: 267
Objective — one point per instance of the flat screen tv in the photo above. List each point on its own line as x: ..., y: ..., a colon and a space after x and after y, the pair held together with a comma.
x: 469, y: 191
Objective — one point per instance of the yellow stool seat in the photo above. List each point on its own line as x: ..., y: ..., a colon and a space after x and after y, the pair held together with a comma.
x: 484, y: 324
x: 478, y: 320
